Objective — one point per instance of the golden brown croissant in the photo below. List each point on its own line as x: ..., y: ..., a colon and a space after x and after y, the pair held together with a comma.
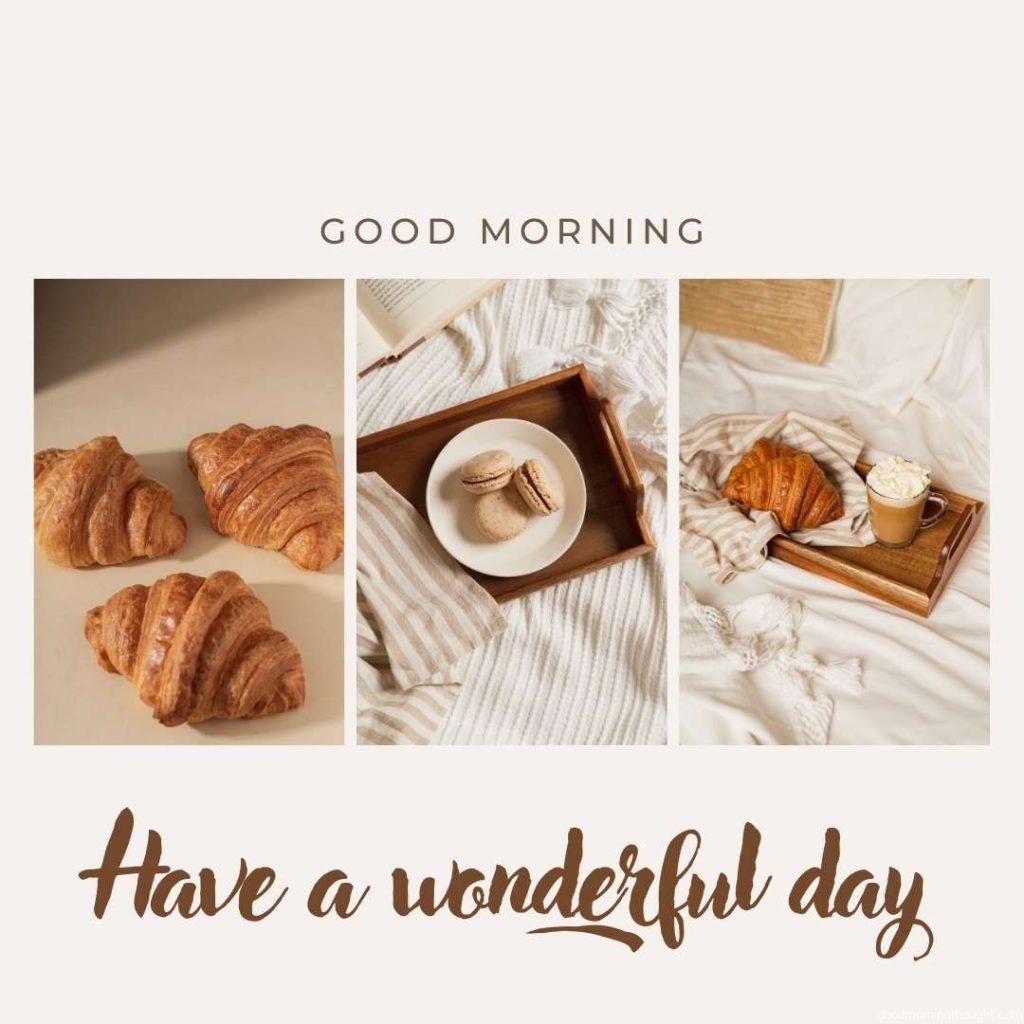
x: 776, y: 478
x: 273, y: 488
x: 197, y: 648
x: 94, y: 505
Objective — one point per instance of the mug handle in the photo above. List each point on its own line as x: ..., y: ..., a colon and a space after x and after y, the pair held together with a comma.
x: 943, y: 502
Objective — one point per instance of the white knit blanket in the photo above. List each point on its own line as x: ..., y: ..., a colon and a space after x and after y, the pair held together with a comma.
x: 583, y: 661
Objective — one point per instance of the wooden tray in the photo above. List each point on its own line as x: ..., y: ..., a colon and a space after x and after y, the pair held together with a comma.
x: 614, y: 527
x: 913, y: 577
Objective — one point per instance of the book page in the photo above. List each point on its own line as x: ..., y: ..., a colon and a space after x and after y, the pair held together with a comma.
x: 370, y: 346
x: 402, y: 311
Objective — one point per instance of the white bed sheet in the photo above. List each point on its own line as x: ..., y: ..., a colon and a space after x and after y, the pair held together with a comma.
x: 925, y: 680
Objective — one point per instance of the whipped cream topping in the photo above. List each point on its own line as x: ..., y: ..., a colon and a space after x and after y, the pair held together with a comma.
x: 899, y: 478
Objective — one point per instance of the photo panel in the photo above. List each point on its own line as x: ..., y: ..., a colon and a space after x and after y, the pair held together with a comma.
x: 189, y: 514
x: 511, y: 501
x: 834, y: 543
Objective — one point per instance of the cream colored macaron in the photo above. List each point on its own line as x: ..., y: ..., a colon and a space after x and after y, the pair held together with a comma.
x: 488, y: 471
x: 536, y: 488
x: 501, y: 515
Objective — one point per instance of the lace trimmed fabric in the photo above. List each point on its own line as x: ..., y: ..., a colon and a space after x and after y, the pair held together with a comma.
x: 764, y: 631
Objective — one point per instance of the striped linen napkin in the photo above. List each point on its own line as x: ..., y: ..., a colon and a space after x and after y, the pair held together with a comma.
x: 418, y: 613
x: 726, y: 539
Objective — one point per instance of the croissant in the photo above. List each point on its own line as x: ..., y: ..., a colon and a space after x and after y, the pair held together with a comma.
x: 780, y: 479
x: 273, y: 488
x: 95, y: 506
x: 197, y: 648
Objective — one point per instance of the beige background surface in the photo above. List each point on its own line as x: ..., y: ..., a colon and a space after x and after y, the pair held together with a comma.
x: 156, y: 363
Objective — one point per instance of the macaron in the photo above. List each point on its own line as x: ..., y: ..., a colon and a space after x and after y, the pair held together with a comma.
x: 536, y: 488
x: 488, y: 471
x: 501, y: 515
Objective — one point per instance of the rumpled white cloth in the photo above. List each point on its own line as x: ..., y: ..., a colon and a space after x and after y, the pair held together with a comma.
x: 726, y: 539
x: 583, y: 661
x: 797, y: 693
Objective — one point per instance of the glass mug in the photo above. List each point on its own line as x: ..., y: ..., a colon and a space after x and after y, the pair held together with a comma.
x: 896, y: 521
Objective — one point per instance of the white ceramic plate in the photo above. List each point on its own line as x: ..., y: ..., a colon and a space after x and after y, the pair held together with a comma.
x: 450, y: 505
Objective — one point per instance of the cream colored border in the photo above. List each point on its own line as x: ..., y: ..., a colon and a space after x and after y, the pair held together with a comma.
x: 350, y: 511
x: 671, y: 536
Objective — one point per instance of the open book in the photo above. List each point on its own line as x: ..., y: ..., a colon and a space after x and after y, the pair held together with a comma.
x: 396, y: 313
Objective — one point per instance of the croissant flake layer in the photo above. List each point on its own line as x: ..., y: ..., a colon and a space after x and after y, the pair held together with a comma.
x: 95, y: 506
x: 197, y: 648
x: 275, y: 488
x: 776, y: 478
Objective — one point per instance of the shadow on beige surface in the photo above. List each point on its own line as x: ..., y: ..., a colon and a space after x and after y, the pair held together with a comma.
x: 83, y: 323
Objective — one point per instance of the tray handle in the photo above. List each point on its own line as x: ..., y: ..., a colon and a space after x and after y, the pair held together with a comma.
x: 953, y: 541
x: 628, y: 474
